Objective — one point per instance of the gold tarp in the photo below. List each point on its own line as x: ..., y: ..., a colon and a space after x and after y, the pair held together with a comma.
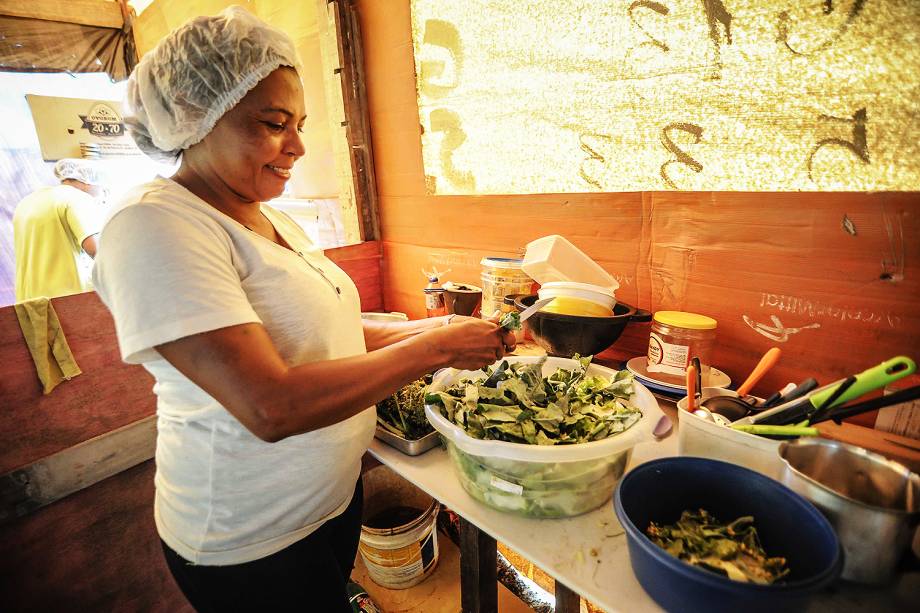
x: 529, y: 96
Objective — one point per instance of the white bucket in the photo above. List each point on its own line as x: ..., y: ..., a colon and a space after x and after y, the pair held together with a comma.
x: 400, y: 546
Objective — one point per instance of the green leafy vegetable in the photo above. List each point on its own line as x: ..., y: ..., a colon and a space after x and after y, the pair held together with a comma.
x: 732, y: 549
x: 516, y: 403
x: 403, y: 413
x: 511, y: 321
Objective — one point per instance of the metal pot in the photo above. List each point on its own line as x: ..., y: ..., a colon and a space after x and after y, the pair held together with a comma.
x: 872, y: 502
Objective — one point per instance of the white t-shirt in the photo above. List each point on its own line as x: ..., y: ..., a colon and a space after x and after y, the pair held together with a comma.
x: 169, y: 265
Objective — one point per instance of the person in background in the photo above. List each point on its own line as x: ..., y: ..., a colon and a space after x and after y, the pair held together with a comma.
x: 52, y: 226
x: 266, y: 375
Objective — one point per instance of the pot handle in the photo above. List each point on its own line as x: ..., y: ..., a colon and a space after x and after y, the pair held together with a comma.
x: 641, y: 315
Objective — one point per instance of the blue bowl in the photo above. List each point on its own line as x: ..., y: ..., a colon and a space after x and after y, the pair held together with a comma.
x: 787, y: 524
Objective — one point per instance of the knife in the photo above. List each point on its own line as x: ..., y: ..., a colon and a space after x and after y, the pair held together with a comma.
x: 536, y: 306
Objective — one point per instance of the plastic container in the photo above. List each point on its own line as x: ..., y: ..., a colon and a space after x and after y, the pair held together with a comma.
x: 403, y: 554
x: 501, y: 277
x: 677, y: 337
x: 579, y: 299
x: 788, y: 526
x: 702, y: 438
x: 541, y: 480
x: 553, y: 258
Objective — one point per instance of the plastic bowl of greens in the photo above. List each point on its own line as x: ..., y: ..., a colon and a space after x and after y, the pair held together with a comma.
x: 541, y: 437
x: 705, y: 535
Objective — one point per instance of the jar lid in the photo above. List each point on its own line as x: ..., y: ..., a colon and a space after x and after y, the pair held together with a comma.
x: 682, y: 319
x: 502, y: 262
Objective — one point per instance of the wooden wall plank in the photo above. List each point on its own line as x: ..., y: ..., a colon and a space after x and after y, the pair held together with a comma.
x: 362, y: 263
x: 726, y: 254
x: 41, y: 483
x: 96, y: 550
x: 101, y: 13
x: 108, y: 395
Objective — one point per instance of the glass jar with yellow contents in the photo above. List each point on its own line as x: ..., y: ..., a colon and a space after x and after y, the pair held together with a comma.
x: 676, y: 338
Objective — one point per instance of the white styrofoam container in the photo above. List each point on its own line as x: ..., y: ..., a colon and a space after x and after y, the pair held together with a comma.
x: 592, y: 293
x: 553, y: 258
x: 704, y: 439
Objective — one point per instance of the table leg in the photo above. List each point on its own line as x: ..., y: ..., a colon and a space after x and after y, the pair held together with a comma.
x: 478, y: 558
x: 567, y: 601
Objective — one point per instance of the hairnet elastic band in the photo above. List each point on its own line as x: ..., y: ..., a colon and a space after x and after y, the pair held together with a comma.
x: 233, y: 97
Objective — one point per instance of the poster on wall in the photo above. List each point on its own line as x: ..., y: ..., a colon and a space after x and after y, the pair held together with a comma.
x: 80, y: 128
x: 549, y: 96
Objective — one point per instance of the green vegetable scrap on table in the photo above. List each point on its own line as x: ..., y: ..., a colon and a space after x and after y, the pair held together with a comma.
x: 403, y: 413
x: 511, y: 321
x: 732, y: 549
x: 519, y: 405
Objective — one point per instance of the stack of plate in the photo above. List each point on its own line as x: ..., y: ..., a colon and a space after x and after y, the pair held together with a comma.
x: 667, y: 386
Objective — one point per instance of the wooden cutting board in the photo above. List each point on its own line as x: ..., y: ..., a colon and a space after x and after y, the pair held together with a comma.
x: 898, y: 448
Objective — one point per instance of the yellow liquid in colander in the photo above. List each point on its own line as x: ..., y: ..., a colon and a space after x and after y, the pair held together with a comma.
x: 564, y: 305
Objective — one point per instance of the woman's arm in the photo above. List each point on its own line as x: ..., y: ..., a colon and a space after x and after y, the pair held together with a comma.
x: 379, y: 334
x: 241, y: 368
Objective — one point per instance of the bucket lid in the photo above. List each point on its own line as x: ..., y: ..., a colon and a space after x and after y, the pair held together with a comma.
x: 682, y: 319
x: 502, y: 262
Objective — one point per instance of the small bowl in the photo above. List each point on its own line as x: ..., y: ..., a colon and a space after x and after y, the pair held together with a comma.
x: 787, y: 524
x: 566, y: 335
x: 462, y: 298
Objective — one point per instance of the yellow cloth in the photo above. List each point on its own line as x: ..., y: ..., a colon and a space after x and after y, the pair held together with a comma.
x: 49, y: 227
x: 43, y: 333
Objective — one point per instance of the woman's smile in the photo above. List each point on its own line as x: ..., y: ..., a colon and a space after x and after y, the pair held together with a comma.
x: 284, y: 173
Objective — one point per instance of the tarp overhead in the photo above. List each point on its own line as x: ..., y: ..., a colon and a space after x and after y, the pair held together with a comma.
x: 36, y: 45
x: 82, y: 36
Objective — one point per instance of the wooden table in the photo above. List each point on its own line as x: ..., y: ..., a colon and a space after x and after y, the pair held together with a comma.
x: 587, y: 555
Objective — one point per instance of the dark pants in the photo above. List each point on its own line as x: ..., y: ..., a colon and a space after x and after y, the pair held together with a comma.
x: 309, y: 575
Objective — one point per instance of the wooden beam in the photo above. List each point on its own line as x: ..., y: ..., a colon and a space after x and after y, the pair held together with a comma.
x: 567, y: 601
x: 34, y: 486
x: 100, y: 13
x: 478, y: 580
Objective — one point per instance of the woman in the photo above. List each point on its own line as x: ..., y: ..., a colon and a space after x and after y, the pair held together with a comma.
x: 265, y: 377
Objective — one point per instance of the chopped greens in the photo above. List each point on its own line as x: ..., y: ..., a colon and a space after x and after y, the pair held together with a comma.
x: 403, y: 413
x: 732, y: 549
x: 514, y: 402
x: 511, y: 321
x: 517, y: 404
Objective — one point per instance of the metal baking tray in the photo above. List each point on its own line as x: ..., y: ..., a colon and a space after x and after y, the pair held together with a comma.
x: 406, y: 446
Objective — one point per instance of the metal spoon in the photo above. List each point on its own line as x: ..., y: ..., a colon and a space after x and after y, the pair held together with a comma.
x: 713, y: 417
x: 736, y: 408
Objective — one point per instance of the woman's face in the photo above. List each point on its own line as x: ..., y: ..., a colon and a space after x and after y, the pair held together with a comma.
x: 253, y: 147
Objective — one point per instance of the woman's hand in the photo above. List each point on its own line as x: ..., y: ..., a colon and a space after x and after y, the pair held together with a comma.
x: 469, y: 343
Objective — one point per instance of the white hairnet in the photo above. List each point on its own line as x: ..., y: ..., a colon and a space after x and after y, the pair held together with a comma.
x: 197, y: 73
x: 79, y: 170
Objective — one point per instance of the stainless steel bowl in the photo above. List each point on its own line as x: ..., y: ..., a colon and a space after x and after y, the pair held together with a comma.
x: 872, y: 502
